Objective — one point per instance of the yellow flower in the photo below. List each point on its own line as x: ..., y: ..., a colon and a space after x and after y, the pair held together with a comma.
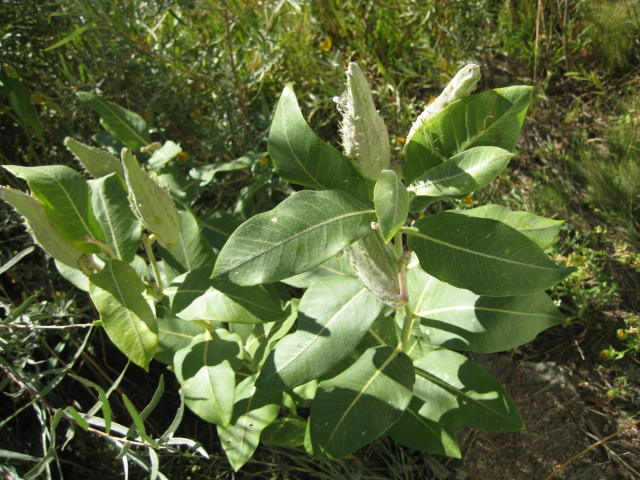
x: 327, y: 44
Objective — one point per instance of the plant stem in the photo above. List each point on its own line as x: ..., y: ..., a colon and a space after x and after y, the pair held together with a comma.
x: 397, y: 241
x: 407, y: 327
x: 104, y: 248
x: 146, y: 242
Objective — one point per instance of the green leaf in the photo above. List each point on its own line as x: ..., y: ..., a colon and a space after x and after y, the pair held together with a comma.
x: 41, y: 228
x: 206, y: 173
x: 103, y: 402
x: 218, y: 229
x: 128, y: 127
x: 415, y: 431
x: 206, y: 371
x: 461, y: 320
x: 463, y: 173
x: 77, y: 32
x: 300, y: 157
x: 20, y: 101
x: 151, y: 203
x: 458, y: 393
x: 264, y: 336
x: 483, y: 255
x: 543, y: 231
x: 173, y: 334
x: 382, y: 332
x: 201, y: 298
x: 493, y: 118
x: 121, y: 228
x: 163, y: 155
x: 305, y: 230
x: 392, y: 203
x: 64, y: 194
x: 116, y: 292
x: 98, y: 162
x: 138, y: 421
x: 337, y: 265
x: 253, y: 410
x: 361, y: 403
x: 334, y: 314
x: 287, y: 431
x: 192, y: 250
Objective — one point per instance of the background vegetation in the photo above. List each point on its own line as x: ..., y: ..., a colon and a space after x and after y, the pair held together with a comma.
x: 207, y: 74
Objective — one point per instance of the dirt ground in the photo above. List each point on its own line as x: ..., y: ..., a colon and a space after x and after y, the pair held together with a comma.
x: 563, y: 401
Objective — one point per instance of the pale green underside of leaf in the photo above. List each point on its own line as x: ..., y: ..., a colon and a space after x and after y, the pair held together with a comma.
x: 392, y: 203
x: 543, y: 231
x: 482, y: 255
x: 65, y: 197
x: 459, y: 319
x: 300, y: 157
x: 173, y: 334
x: 458, y: 393
x: 128, y: 127
x: 98, y: 162
x: 493, y: 118
x: 361, y: 403
x: 338, y: 265
x: 305, y: 230
x: 253, y: 410
x: 163, y: 155
x: 127, y: 317
x: 334, y: 314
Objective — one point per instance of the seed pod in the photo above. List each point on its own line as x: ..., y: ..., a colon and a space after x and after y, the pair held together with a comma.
x: 41, y: 228
x: 376, y: 266
x: 151, y: 203
x: 364, y: 135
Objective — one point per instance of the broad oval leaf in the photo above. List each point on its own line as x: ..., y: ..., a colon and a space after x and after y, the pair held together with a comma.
x: 461, y: 320
x: 392, y: 203
x: 305, y: 230
x: 206, y: 173
x: 264, y: 336
x: 254, y: 409
x: 543, y: 231
x: 300, y: 157
x: 128, y: 127
x: 98, y: 162
x: 199, y: 297
x: 493, y: 118
x: 288, y: 431
x: 206, y: 371
x: 218, y: 229
x: 151, y: 203
x: 41, y: 228
x: 463, y: 173
x: 128, y: 319
x: 163, y: 155
x: 482, y: 255
x: 458, y: 393
x: 415, y: 431
x: 334, y: 314
x: 122, y: 229
x: 64, y: 194
x: 361, y: 403
x: 337, y: 265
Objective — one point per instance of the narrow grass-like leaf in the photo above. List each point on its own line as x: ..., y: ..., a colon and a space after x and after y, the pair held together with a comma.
x: 128, y: 127
x: 461, y: 320
x: 15, y: 259
x: 392, y: 203
x: 127, y: 317
x: 77, y: 32
x: 64, y: 195
x: 458, y: 393
x: 334, y: 314
x: 483, y: 255
x: 253, y: 410
x: 305, y: 230
x: 543, y: 231
x: 78, y: 418
x: 121, y: 228
x: 103, y: 402
x: 300, y: 157
x: 361, y: 403
x: 177, y: 420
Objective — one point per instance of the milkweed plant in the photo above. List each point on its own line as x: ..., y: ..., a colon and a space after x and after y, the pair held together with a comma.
x: 390, y: 296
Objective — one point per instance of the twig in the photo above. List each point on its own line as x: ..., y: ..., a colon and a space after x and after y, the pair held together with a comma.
x: 47, y: 327
x: 591, y: 447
